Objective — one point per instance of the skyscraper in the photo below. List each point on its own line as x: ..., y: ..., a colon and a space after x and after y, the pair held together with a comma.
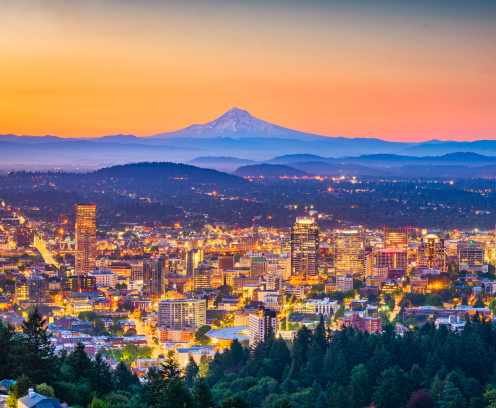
x: 85, y: 238
x: 155, y: 271
x: 201, y: 276
x: 431, y: 253
x: 260, y: 324
x: 305, y: 247
x: 193, y: 258
x: 349, y: 253
x: 179, y: 313
x: 396, y: 238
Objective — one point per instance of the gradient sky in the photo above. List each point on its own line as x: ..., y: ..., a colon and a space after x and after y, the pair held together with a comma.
x: 395, y: 70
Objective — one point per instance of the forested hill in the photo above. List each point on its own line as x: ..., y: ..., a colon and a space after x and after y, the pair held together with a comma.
x: 425, y: 368
x: 155, y: 171
x: 269, y: 170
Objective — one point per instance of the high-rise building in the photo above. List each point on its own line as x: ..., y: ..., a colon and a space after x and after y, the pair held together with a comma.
x: 285, y: 243
x: 201, y: 276
x: 305, y: 247
x: 349, y: 253
x: 396, y: 238
x: 258, y: 266
x: 85, y: 238
x: 179, y: 313
x: 470, y: 253
x: 193, y: 258
x: 31, y: 289
x: 391, y: 258
x: 155, y: 271
x: 226, y: 263
x: 260, y: 322
x: 137, y: 270
x: 431, y: 253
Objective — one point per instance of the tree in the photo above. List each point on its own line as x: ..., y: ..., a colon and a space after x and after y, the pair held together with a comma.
x: 203, y: 369
x: 190, y: 372
x: 45, y: 389
x: 202, y: 394
x: 234, y: 402
x: 87, y: 316
x: 392, y: 388
x: 18, y: 390
x: 131, y: 332
x: 98, y: 403
x: 116, y: 329
x: 128, y: 306
x: 448, y: 394
x: 456, y: 403
x: 200, y: 335
x: 123, y: 377
x: 100, y: 376
x: 339, y: 313
x: 7, y: 339
x: 79, y: 361
x: 433, y: 300
x: 416, y: 378
x: 177, y: 395
x: 420, y: 399
x: 33, y: 354
x: 280, y: 357
x: 356, y: 394
x: 338, y: 396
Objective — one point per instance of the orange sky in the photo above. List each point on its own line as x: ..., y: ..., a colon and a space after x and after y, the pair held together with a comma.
x: 93, y: 68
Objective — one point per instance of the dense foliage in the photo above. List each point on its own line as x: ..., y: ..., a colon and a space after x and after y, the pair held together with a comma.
x: 344, y: 369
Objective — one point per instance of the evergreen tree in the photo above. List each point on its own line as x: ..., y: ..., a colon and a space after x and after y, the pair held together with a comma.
x: 296, y: 360
x: 315, y: 365
x: 284, y: 403
x: 234, y: 356
x: 392, y: 388
x: 45, y: 390
x: 416, y: 378
x: 448, y: 394
x: 190, y: 372
x: 177, y: 395
x: 356, y: 394
x: 202, y: 394
x: 100, y: 376
x: 123, y: 377
x: 360, y: 376
x: 7, y: 339
x: 457, y: 401
x: 322, y: 401
x: 234, y: 402
x: 33, y: 354
x: 79, y: 362
x: 280, y: 357
x: 338, y: 397
x: 340, y: 373
x: 436, y: 387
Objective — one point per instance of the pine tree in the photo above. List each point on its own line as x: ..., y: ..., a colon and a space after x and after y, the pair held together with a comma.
x: 123, y: 377
x: 202, y: 394
x: 315, y: 365
x: 79, y: 361
x: 436, y: 387
x: 322, y: 401
x: 392, y: 389
x: 280, y: 357
x: 456, y: 403
x: 338, y: 397
x: 33, y: 354
x: 7, y: 339
x: 416, y: 378
x: 356, y: 394
x: 340, y: 373
x: 448, y: 394
x: 177, y: 395
x: 296, y: 360
x: 190, y: 372
x: 234, y: 402
x: 360, y: 376
x: 100, y: 376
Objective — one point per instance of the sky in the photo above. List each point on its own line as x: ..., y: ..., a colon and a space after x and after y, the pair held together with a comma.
x: 394, y: 70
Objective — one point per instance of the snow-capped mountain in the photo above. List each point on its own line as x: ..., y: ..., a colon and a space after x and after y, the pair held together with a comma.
x: 237, y: 123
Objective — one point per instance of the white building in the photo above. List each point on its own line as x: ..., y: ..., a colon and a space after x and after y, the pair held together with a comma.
x: 179, y: 313
x: 259, y: 325
x: 274, y: 302
x: 324, y: 306
x: 104, y: 278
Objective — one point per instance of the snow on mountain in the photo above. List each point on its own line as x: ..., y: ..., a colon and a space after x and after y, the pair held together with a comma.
x: 237, y: 123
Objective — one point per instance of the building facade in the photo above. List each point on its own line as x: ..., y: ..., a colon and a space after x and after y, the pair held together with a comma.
x: 396, y: 238
x: 155, y: 271
x: 85, y: 238
x: 180, y: 313
x: 349, y: 253
x: 305, y: 248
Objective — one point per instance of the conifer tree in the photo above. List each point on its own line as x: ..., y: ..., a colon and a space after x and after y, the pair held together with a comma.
x: 18, y: 390
x: 190, y: 372
x: 280, y: 357
x: 448, y: 394
x: 203, y: 369
x: 356, y: 394
x: 123, y: 377
x: 338, y: 397
x: 392, y: 389
x: 79, y: 361
x: 416, y: 379
x: 7, y: 339
x: 202, y: 394
x: 100, y: 376
x: 177, y: 395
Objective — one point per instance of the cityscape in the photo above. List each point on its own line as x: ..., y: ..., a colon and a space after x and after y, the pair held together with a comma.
x: 247, y: 204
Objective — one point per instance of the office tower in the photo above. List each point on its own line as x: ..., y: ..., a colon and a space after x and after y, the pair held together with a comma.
x: 470, y: 253
x: 201, y: 276
x: 260, y: 323
x: 344, y: 283
x: 396, y: 238
x: 31, y: 289
x: 179, y: 313
x: 258, y: 266
x: 305, y: 247
x: 70, y: 283
x: 87, y: 283
x: 155, y: 271
x: 391, y: 258
x: 285, y: 243
x: 273, y: 281
x: 216, y: 280
x: 349, y: 253
x: 137, y: 270
x: 431, y: 254
x: 226, y: 263
x: 85, y: 238
x: 193, y: 258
